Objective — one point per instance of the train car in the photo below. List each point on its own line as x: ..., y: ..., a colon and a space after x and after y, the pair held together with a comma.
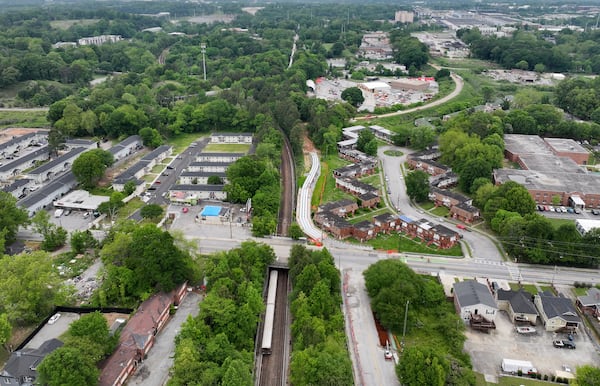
x: 269, y: 313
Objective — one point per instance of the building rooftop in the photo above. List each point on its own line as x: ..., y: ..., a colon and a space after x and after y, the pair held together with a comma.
x: 66, y: 179
x: 550, y: 181
x: 520, y: 301
x: 523, y: 144
x: 565, y: 145
x: 549, y: 163
x: 17, y: 163
x: 67, y: 157
x: 558, y: 306
x: 22, y: 138
x: 198, y: 188
x: 155, y: 153
x: 81, y: 199
x: 471, y: 293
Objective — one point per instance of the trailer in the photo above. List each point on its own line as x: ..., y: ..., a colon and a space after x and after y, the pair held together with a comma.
x: 513, y: 366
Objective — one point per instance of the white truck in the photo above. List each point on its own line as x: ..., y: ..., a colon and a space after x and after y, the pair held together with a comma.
x: 512, y: 366
x: 58, y: 212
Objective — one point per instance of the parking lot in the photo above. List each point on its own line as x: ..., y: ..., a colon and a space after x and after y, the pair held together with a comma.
x: 197, y: 228
x: 488, y: 349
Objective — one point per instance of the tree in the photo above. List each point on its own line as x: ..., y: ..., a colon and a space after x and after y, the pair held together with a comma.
x: 587, y: 376
x: 214, y: 180
x: 29, y: 287
x: 353, y: 95
x: 5, y: 330
x: 364, y: 138
x: 151, y: 137
x: 54, y: 236
x: 417, y: 185
x: 151, y: 211
x: 90, y: 166
x: 11, y: 217
x: 519, y: 200
x: 473, y: 169
x: 82, y: 240
x: 441, y: 74
x: 112, y: 206
x: 129, y: 188
x: 295, y: 232
x: 93, y: 327
x: 66, y: 366
x: 420, y: 366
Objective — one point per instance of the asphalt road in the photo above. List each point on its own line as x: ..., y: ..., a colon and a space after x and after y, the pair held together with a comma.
x: 480, y: 245
x: 179, y: 163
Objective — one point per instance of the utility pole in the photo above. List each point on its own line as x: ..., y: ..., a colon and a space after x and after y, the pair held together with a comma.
x: 404, y: 329
x: 203, y: 50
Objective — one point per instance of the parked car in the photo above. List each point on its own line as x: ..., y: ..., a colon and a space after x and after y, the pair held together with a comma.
x: 551, y: 208
x: 564, y: 343
x: 54, y: 318
x: 577, y: 210
x: 67, y: 212
x: 96, y: 214
x: 185, y: 209
x: 570, y: 210
x: 388, y: 355
x: 540, y: 208
x: 563, y: 209
x: 170, y: 167
x: 86, y: 215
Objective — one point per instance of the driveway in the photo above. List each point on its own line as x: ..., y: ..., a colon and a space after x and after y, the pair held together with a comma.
x: 154, y: 371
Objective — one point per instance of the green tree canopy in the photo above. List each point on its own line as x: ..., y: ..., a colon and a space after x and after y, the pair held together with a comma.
x: 353, y: 95
x: 11, y: 217
x: 66, y: 366
x: 151, y: 211
x: 417, y: 185
x: 90, y: 166
x: 421, y: 367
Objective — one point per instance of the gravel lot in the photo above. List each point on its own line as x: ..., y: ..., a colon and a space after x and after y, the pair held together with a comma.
x: 488, y: 349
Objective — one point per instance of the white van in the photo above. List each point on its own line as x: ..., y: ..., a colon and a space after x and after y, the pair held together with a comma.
x: 58, y: 213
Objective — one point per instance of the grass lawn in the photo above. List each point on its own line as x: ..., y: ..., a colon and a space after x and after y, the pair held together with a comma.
x: 227, y: 148
x: 31, y: 119
x: 366, y: 215
x: 182, y: 141
x: 393, y: 153
x: 374, y: 180
x: 441, y: 211
x: 557, y: 222
x: 546, y: 288
x: 149, y: 177
x: 401, y: 243
x: 532, y: 289
x: 427, y: 205
x: 65, y: 24
x: 580, y: 291
x: 129, y: 208
x: 158, y: 168
x: 325, y: 190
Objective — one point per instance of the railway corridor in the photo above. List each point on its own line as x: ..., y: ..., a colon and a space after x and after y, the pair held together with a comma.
x: 273, y: 353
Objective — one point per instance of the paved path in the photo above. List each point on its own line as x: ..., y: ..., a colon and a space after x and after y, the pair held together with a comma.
x: 154, y: 371
x: 304, y: 198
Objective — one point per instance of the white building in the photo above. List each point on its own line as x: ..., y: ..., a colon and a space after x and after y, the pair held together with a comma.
x: 473, y: 298
x: 404, y: 17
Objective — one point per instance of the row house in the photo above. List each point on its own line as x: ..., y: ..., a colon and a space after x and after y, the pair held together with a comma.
x: 219, y: 157
x: 369, y: 200
x: 430, y: 154
x: 356, y: 156
x: 364, y: 230
x: 231, y: 138
x: 465, y: 212
x: 386, y: 222
x: 356, y: 170
x: 444, y: 181
x: 441, y: 236
x: 428, y: 166
x: 209, y: 167
x: 354, y: 187
x: 448, y: 198
x: 334, y: 224
x: 341, y: 208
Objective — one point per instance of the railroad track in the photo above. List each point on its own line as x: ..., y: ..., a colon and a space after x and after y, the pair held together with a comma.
x: 274, y: 352
x: 288, y: 188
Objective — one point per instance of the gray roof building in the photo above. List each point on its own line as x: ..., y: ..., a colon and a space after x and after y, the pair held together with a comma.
x: 520, y: 300
x: 470, y: 293
x: 20, y: 369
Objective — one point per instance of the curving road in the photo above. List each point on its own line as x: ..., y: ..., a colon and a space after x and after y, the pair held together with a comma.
x: 459, y: 86
x: 480, y: 245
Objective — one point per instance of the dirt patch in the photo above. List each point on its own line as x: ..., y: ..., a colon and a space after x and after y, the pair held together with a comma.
x: 112, y: 316
x: 8, y: 134
x: 307, y: 147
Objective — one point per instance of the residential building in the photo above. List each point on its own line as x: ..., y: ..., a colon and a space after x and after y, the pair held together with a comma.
x: 138, y: 336
x: 219, y: 157
x: 209, y: 167
x: 385, y: 223
x: 364, y: 230
x: 200, y: 178
x: 21, y: 367
x: 45, y: 195
x: 474, y: 298
x: 184, y: 193
x: 341, y: 208
x: 404, y: 17
x: 99, y: 40
x: 518, y: 305
x: 430, y: 167
x: 465, y: 212
x: 231, y: 138
x: 334, y: 224
x: 448, y: 198
x: 584, y: 225
x: 557, y: 312
x: 590, y: 302
x: 126, y: 147
x: 17, y: 166
x: 55, y: 167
